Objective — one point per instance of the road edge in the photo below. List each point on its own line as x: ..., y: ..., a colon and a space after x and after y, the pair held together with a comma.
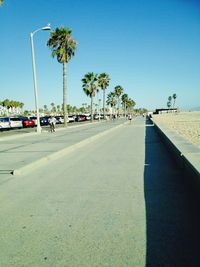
x: 56, y: 155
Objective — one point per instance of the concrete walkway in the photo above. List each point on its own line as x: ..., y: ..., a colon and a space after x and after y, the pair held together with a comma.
x: 120, y: 201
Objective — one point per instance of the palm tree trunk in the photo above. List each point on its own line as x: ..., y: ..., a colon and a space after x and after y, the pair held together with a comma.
x: 174, y: 103
x: 104, y: 100
x: 91, y: 109
x: 65, y: 93
x: 118, y: 108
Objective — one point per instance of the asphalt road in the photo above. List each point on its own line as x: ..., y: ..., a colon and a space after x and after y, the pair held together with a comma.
x: 119, y: 202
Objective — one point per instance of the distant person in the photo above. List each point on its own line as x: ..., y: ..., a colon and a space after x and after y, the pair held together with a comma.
x: 52, y: 123
x: 130, y: 118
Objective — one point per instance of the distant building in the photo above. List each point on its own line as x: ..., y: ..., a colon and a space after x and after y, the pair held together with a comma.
x: 165, y: 110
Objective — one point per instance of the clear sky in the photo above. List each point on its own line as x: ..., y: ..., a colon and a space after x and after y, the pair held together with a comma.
x: 150, y: 48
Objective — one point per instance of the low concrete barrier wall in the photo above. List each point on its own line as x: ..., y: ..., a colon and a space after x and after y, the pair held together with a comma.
x: 185, y: 154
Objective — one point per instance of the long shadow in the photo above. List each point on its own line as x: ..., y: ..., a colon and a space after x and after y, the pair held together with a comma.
x: 172, y: 221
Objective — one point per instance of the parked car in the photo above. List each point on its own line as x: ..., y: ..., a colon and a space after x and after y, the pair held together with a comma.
x: 80, y: 118
x: 27, y: 122
x: 15, y: 122
x: 33, y: 118
x: 4, y: 123
x: 44, y: 120
x: 71, y: 118
x: 96, y: 116
x: 59, y: 119
x: 87, y: 117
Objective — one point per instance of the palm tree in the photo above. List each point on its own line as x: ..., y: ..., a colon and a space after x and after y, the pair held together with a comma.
x: 111, y: 100
x: 1, y: 2
x: 45, y: 109
x: 58, y: 108
x: 169, y: 102
x: 89, y: 87
x: 118, y: 91
x: 174, y: 96
x: 63, y: 46
x: 52, y: 107
x: 130, y: 104
x: 103, y: 82
x: 124, y: 102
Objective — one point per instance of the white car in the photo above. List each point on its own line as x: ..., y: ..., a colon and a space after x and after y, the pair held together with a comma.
x: 87, y: 116
x: 70, y: 118
x: 4, y: 123
x: 59, y: 119
x: 16, y: 122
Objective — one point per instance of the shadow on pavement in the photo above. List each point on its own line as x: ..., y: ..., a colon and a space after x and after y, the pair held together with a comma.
x: 172, y: 224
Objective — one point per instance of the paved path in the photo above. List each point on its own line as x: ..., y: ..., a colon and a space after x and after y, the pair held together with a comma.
x: 118, y: 202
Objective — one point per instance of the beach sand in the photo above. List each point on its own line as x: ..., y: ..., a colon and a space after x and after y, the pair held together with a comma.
x: 186, y: 124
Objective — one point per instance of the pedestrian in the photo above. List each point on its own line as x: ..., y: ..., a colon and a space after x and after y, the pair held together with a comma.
x: 52, y: 123
x: 130, y: 118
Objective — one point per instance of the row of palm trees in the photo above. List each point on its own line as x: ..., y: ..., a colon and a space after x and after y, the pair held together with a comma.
x: 115, y: 97
x: 91, y: 84
x: 58, y: 109
x: 63, y: 47
x: 6, y: 103
x: 169, y: 102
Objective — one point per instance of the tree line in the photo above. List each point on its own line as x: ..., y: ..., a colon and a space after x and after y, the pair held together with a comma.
x: 11, y: 105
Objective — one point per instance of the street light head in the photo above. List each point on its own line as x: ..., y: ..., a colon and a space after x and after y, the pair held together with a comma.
x: 47, y: 27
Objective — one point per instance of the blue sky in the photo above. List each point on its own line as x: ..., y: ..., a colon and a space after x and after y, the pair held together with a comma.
x: 150, y: 48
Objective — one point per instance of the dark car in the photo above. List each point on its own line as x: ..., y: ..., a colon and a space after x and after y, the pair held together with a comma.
x: 80, y: 118
x: 44, y: 120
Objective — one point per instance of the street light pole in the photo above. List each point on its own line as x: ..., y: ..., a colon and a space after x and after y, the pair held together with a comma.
x: 99, y: 109
x: 34, y: 75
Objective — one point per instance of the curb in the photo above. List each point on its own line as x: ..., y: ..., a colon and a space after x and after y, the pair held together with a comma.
x: 186, y: 155
x: 47, y: 159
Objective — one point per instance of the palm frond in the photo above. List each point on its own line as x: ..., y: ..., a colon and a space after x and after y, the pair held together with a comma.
x: 62, y: 44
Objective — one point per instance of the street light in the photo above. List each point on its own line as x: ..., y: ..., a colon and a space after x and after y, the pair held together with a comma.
x: 99, y: 109
x: 46, y: 28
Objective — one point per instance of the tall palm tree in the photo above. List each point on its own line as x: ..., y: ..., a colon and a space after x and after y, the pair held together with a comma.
x: 89, y: 87
x: 58, y: 108
x: 130, y: 104
x: 174, y: 96
x: 111, y: 100
x: 63, y: 47
x: 169, y: 102
x: 52, y: 107
x: 103, y: 82
x: 118, y: 91
x: 45, y: 108
x: 124, y: 102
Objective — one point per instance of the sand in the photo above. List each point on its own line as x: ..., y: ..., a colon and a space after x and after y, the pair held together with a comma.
x: 186, y: 124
